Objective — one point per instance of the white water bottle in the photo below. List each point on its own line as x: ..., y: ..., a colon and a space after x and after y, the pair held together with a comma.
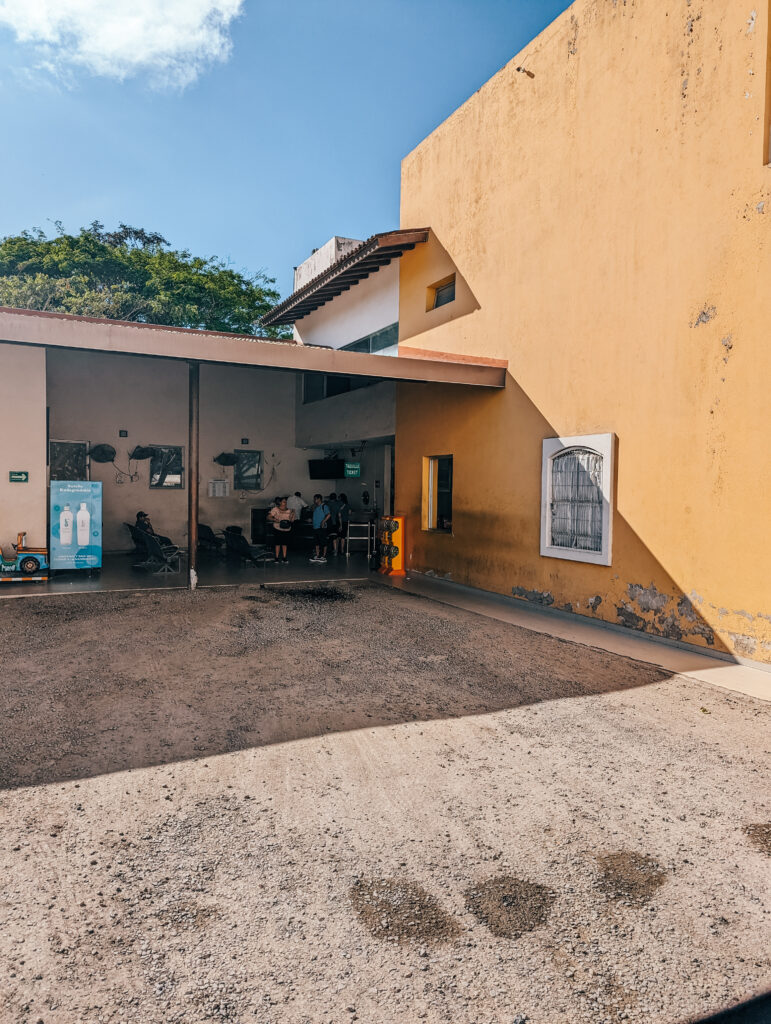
x: 83, y: 519
x: 65, y: 526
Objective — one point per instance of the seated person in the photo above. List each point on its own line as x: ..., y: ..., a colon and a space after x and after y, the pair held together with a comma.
x: 143, y: 523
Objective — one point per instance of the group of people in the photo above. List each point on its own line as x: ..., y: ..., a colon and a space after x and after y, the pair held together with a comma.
x: 330, y: 517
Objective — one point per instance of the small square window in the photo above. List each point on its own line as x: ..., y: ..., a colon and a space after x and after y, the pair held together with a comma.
x: 437, y: 493
x: 440, y: 293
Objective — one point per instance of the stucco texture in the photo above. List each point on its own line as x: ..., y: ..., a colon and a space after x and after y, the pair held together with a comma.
x: 608, y: 210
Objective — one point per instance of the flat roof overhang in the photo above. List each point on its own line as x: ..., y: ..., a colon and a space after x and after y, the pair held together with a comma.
x: 355, y: 266
x: 65, y: 330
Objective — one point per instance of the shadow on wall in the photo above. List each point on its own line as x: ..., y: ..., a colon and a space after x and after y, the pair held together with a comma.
x: 497, y: 511
x: 423, y: 269
x: 133, y: 680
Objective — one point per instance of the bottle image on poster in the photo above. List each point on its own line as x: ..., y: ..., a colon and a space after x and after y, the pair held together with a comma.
x: 75, y: 540
x: 84, y: 525
x: 65, y: 527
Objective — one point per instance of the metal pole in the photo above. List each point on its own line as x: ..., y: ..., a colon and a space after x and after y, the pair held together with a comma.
x: 192, y: 486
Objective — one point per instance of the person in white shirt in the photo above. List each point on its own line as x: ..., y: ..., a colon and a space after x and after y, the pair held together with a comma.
x: 296, y: 504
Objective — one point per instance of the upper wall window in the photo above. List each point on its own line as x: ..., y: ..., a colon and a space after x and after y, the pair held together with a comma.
x: 576, y: 497
x: 440, y: 293
x: 377, y: 341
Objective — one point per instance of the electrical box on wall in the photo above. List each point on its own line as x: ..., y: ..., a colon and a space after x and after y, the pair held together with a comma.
x: 219, y: 488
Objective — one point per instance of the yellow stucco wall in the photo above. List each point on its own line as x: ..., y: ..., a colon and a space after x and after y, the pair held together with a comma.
x: 610, y: 219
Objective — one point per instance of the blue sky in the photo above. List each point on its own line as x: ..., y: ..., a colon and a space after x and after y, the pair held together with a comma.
x: 290, y: 127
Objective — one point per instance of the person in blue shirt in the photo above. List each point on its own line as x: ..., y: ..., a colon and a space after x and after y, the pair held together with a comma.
x: 321, y: 520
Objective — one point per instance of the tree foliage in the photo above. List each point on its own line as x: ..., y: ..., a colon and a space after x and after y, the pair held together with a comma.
x: 130, y: 274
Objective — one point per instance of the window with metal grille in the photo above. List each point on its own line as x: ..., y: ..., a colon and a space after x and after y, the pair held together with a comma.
x: 576, y: 492
x: 576, y: 500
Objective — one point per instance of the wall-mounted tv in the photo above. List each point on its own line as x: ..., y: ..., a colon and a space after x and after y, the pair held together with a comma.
x: 326, y: 469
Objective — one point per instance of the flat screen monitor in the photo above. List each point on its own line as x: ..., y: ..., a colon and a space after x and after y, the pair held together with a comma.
x: 326, y: 469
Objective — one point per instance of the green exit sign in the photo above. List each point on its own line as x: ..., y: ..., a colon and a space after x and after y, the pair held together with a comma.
x: 353, y: 469
x: 18, y: 476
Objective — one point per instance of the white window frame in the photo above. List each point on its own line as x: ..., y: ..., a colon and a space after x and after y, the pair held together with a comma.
x: 603, y: 445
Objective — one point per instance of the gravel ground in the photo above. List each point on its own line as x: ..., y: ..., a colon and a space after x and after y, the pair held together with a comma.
x: 348, y: 803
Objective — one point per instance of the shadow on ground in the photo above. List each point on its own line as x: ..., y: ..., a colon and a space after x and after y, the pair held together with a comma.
x: 106, y: 682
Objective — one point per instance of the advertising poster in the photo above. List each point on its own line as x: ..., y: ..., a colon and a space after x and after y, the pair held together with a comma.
x: 76, y: 524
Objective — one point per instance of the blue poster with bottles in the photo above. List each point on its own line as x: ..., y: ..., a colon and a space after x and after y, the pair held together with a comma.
x: 76, y: 524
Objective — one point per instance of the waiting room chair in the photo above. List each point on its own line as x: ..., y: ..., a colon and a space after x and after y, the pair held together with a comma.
x: 239, y: 549
x: 208, y: 539
x: 161, y: 558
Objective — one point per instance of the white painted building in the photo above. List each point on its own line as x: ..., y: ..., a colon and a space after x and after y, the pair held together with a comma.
x: 346, y: 297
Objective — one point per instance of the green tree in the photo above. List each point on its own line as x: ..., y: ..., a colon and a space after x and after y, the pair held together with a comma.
x: 131, y: 274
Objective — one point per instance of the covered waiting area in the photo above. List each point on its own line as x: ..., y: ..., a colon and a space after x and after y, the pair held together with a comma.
x: 27, y: 335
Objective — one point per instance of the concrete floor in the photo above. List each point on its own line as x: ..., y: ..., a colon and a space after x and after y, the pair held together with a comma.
x: 117, y: 574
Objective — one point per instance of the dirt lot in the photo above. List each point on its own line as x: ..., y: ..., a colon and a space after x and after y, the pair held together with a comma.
x: 286, y: 806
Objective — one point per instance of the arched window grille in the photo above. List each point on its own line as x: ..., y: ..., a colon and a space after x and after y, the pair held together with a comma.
x: 576, y: 499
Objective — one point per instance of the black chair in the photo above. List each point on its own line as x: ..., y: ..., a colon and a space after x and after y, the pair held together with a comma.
x: 161, y: 558
x: 238, y: 548
x: 138, y: 537
x: 208, y: 539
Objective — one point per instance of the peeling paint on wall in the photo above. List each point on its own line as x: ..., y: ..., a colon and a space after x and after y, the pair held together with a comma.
x: 707, y: 314
x: 536, y: 596
x: 647, y: 611
x: 648, y: 599
x: 745, y: 646
x: 573, y: 40
x: 595, y: 602
x: 751, y: 22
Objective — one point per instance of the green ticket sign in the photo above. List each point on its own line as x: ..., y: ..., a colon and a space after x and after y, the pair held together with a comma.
x: 18, y: 476
x: 353, y: 469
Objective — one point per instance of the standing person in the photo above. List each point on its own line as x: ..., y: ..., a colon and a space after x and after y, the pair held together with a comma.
x: 344, y: 517
x: 321, y: 517
x: 296, y: 503
x: 282, y: 519
x: 334, y: 521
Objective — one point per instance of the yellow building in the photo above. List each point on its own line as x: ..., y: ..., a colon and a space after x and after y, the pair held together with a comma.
x: 600, y: 217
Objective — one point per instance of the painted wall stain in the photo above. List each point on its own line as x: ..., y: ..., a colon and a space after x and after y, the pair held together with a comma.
x: 646, y: 612
x: 727, y: 344
x: 686, y: 610
x: 647, y: 599
x: 628, y: 617
x: 707, y: 314
x: 567, y: 607
x: 595, y: 602
x: 744, y: 645
x: 573, y: 40
x: 536, y: 596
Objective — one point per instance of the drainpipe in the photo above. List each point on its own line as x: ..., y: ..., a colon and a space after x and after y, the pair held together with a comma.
x: 192, y: 485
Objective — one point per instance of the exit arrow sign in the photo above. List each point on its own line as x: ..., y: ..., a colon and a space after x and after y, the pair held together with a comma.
x: 18, y: 476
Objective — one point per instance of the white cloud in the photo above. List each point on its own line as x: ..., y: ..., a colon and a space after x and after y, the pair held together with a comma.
x: 170, y: 41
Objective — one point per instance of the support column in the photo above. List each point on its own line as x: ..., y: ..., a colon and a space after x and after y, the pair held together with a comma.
x: 193, y: 472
